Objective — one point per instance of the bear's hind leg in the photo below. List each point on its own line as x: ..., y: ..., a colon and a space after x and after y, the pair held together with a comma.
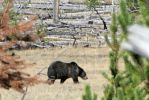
x: 51, y: 81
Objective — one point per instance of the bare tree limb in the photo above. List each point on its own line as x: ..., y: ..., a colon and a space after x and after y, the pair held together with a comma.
x: 104, y: 23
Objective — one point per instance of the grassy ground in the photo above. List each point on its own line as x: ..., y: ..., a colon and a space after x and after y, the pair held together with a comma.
x: 92, y: 60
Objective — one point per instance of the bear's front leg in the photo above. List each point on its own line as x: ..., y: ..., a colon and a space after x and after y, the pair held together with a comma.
x: 75, y: 80
x: 63, y: 80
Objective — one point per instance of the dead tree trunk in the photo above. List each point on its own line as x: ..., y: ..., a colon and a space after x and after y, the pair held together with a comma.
x: 56, y: 11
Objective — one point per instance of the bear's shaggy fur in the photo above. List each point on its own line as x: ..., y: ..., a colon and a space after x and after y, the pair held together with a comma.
x: 63, y: 71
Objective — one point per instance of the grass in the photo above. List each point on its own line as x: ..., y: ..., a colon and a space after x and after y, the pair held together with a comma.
x: 92, y: 60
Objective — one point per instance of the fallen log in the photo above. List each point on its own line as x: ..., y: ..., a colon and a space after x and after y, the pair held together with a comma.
x: 47, y: 6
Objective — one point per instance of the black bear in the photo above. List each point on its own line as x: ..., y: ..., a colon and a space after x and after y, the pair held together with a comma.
x: 63, y: 71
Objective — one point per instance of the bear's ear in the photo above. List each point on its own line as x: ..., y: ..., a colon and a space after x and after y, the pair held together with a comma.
x: 74, y: 63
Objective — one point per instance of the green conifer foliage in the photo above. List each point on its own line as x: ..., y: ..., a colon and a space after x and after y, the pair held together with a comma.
x: 88, y: 94
x: 132, y: 83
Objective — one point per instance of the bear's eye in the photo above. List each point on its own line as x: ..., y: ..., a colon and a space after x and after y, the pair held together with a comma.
x: 83, y: 74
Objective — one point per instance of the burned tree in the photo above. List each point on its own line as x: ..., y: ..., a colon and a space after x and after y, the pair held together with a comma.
x: 11, y: 65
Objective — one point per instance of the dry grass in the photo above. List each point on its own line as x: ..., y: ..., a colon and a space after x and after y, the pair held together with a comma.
x: 93, y: 60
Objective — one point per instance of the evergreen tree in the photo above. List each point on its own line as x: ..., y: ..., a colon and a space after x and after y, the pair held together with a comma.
x: 133, y: 82
x: 88, y: 94
x: 129, y: 84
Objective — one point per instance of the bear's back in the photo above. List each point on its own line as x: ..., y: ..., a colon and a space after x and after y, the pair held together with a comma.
x: 57, y: 65
x: 60, y: 68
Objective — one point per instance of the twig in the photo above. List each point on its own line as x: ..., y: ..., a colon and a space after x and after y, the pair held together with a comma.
x: 24, y: 93
x: 41, y: 70
x: 42, y: 74
x: 74, y: 42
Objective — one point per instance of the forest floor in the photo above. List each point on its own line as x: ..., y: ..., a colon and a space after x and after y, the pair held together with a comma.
x: 92, y: 60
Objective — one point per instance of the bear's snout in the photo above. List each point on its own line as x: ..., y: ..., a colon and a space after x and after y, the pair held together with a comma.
x: 85, y: 78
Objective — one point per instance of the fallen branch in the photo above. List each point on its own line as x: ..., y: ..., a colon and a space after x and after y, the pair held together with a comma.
x: 24, y: 94
x: 41, y: 70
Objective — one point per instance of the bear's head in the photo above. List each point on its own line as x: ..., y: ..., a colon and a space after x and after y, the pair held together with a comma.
x: 81, y: 73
